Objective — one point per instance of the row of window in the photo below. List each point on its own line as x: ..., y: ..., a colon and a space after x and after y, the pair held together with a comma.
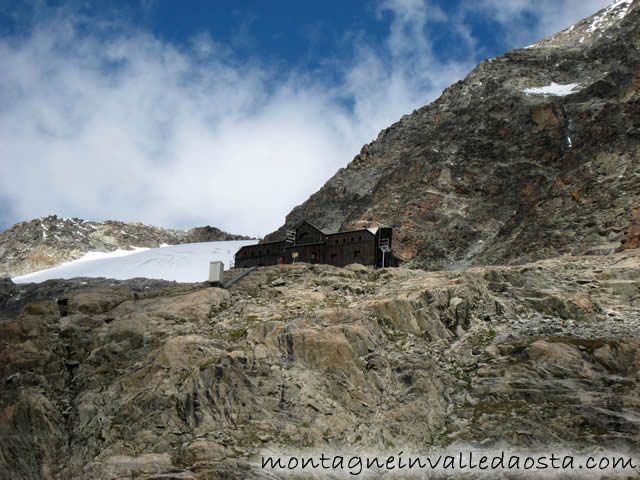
x: 314, y: 255
x: 304, y: 235
x: 266, y: 252
x: 334, y: 256
x: 344, y: 240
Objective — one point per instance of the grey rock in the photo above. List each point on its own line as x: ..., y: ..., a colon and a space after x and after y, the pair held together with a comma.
x: 184, y: 379
x: 491, y: 173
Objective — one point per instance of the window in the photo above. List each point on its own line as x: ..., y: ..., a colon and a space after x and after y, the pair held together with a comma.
x: 344, y: 240
x: 351, y: 239
x: 333, y: 258
x: 304, y: 235
x: 360, y: 238
x: 356, y: 254
x: 267, y: 252
x: 336, y: 241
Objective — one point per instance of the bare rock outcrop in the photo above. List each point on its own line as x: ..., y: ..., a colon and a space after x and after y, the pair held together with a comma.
x: 534, y: 154
x: 188, y: 381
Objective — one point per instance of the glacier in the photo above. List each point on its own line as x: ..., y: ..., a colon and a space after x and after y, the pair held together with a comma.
x: 188, y: 262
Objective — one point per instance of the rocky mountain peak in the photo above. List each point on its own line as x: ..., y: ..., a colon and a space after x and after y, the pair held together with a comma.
x: 533, y: 155
x: 590, y: 29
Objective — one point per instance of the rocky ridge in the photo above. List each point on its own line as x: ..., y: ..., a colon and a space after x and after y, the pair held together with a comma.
x: 534, y: 154
x: 46, y: 242
x: 117, y: 380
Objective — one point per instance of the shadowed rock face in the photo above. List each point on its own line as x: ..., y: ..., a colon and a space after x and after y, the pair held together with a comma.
x: 134, y: 380
x: 494, y: 173
x: 46, y: 242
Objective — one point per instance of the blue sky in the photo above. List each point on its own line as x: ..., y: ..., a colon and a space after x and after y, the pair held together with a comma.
x: 226, y: 113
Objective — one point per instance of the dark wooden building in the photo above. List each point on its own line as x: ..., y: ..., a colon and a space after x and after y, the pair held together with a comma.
x: 307, y: 243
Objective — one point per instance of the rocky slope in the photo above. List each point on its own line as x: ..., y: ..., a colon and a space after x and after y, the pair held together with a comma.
x: 500, y: 169
x: 139, y: 379
x: 46, y: 242
x: 105, y: 379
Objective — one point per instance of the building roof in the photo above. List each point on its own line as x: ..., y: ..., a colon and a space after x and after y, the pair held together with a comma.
x: 310, y: 224
x: 371, y: 230
x: 368, y: 230
x: 260, y: 244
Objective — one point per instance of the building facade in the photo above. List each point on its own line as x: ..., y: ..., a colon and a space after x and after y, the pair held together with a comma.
x: 307, y: 243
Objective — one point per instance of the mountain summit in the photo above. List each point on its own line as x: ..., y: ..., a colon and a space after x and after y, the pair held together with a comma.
x: 533, y: 155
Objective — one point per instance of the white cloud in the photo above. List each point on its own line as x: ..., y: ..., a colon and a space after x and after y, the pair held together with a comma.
x: 101, y: 120
x: 118, y: 124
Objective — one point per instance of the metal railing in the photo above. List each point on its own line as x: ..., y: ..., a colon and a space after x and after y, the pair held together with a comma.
x: 243, y: 274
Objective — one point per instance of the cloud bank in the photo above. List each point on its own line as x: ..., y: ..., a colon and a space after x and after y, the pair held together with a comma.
x: 100, y: 119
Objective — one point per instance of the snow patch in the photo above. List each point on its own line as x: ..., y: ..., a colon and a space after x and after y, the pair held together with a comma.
x: 554, y: 89
x: 89, y: 256
x: 617, y: 3
x: 600, y: 22
x: 373, y: 230
x: 188, y: 262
